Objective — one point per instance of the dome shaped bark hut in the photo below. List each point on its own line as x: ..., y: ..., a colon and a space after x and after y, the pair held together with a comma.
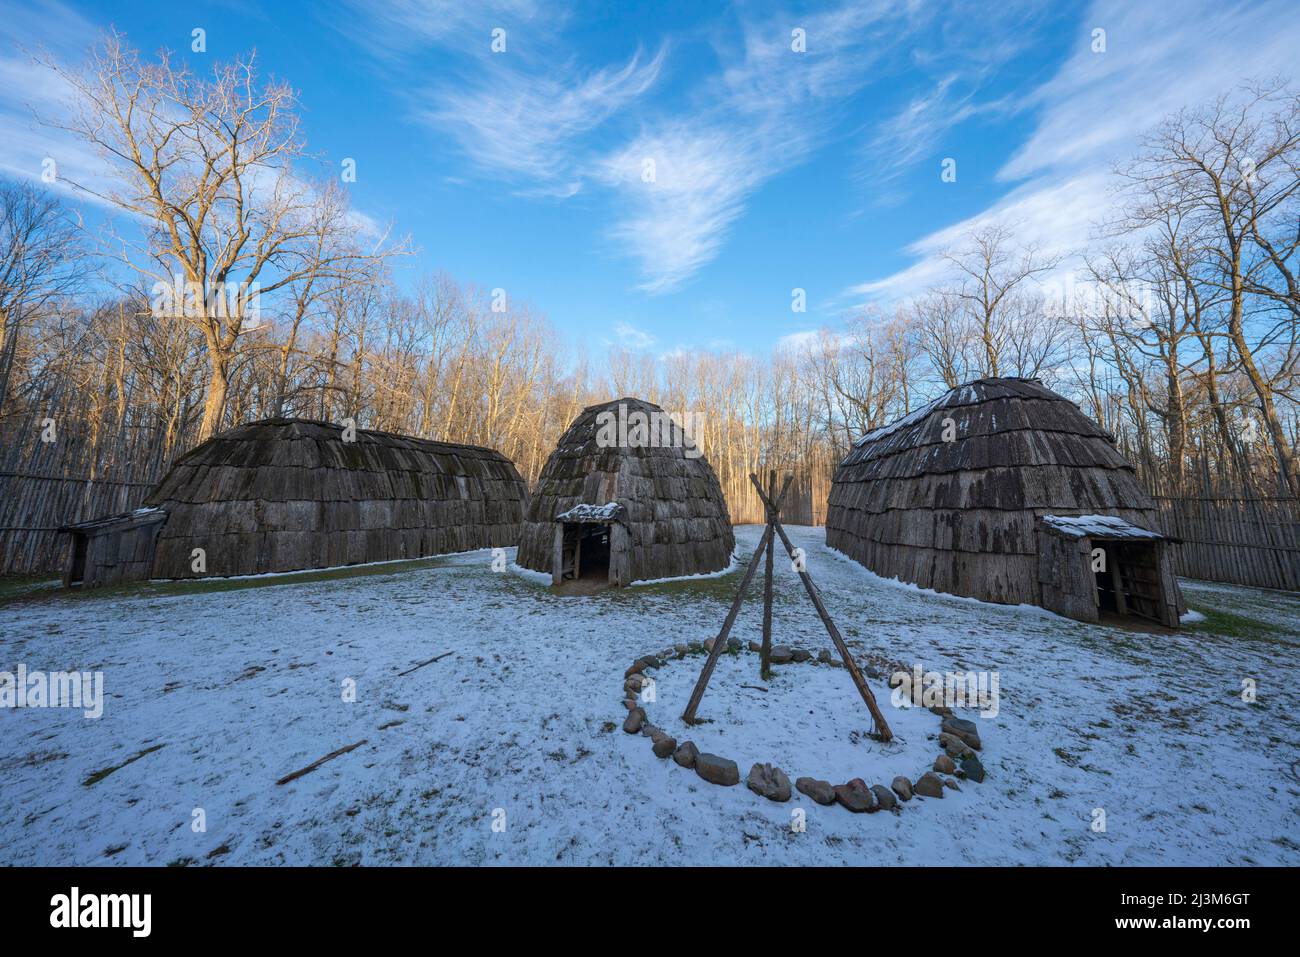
x: 626, y: 496
x: 287, y: 494
x: 1003, y: 490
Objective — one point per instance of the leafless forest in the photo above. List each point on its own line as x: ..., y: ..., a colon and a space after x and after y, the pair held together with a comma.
x: 1176, y: 329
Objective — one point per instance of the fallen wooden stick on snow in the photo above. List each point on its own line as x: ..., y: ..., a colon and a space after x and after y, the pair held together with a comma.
x: 755, y: 687
x: 423, y: 663
x: 315, y: 764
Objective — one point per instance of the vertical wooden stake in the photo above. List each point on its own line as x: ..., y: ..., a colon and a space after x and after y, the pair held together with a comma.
x: 765, y: 656
x: 721, y: 641
x: 869, y: 699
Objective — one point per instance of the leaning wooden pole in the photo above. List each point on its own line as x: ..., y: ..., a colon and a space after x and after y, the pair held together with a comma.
x: 765, y: 654
x: 882, y: 726
x: 720, y: 642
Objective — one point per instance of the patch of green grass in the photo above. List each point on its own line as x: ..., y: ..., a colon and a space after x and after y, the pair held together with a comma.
x: 1229, y: 624
x: 105, y: 772
x: 11, y: 589
x: 13, y: 586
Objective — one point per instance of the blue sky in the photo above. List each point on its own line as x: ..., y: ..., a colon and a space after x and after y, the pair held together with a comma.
x: 773, y: 169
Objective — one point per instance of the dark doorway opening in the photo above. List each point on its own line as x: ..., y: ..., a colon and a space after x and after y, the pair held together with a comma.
x: 77, y: 571
x: 593, y: 552
x: 1128, y: 582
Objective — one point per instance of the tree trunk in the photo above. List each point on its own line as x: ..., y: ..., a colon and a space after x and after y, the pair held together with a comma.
x: 214, y: 405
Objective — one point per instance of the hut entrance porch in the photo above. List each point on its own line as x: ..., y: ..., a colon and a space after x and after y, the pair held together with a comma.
x: 590, y: 548
x: 1102, y: 567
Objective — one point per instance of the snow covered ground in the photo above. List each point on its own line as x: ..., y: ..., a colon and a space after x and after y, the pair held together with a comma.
x: 520, y: 724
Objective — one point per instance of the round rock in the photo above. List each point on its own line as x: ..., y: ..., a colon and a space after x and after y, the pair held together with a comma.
x: 769, y: 781
x: 819, y: 791
x: 717, y: 770
x: 856, y: 796
x: 686, y: 754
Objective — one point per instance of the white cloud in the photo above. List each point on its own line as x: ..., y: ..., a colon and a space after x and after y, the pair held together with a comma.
x: 677, y: 221
x: 632, y: 338
x: 395, y: 28
x: 524, y: 123
x: 767, y: 111
x: 31, y: 95
x: 1092, y: 113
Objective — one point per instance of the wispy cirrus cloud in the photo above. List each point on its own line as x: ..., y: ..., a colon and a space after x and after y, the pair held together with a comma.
x: 681, y: 187
x: 1092, y: 113
x: 767, y: 110
x: 32, y: 95
x: 513, y: 122
x: 392, y: 29
x: 523, y: 114
x: 631, y: 338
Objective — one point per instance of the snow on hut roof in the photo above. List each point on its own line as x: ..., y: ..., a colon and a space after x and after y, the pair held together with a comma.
x: 1097, y: 526
x: 609, y: 512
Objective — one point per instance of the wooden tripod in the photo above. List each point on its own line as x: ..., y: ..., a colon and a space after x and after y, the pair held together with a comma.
x: 772, y: 506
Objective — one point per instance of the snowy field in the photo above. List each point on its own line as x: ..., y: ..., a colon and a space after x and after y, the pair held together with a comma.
x: 216, y: 694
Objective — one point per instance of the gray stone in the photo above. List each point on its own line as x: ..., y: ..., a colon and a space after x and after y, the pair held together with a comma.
x: 965, y: 730
x: 682, y: 649
x: 950, y: 783
x: 856, y: 796
x: 635, y: 718
x: 800, y: 654
x: 651, y: 661
x: 954, y: 746
x: 733, y: 644
x: 717, y: 770
x: 648, y: 730
x: 633, y: 683
x: 824, y: 656
x: 884, y: 797
x: 943, y: 764
x: 781, y: 655
x: 664, y: 746
x: 769, y: 781
x: 686, y: 754
x: 819, y: 791
x: 929, y: 785
x: 973, y: 768
x: 755, y: 646
x: 902, y: 787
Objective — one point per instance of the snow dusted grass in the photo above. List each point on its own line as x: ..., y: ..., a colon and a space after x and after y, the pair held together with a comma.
x: 810, y: 721
x: 217, y: 690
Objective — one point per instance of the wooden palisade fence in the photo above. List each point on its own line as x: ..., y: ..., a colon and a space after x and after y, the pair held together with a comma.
x: 1242, y: 541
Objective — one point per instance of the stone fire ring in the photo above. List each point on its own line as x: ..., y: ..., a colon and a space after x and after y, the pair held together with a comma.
x: 958, y: 738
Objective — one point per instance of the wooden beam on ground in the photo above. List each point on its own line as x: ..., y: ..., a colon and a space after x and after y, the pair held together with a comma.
x: 402, y: 674
x: 315, y: 764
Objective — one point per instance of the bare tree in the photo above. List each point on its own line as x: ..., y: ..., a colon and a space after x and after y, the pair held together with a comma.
x: 207, y: 167
x: 39, y: 253
x: 991, y: 292
x: 1230, y: 170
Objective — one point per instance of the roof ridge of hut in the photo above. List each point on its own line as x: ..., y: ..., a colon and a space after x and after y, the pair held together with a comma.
x: 240, y: 432
x: 623, y: 400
